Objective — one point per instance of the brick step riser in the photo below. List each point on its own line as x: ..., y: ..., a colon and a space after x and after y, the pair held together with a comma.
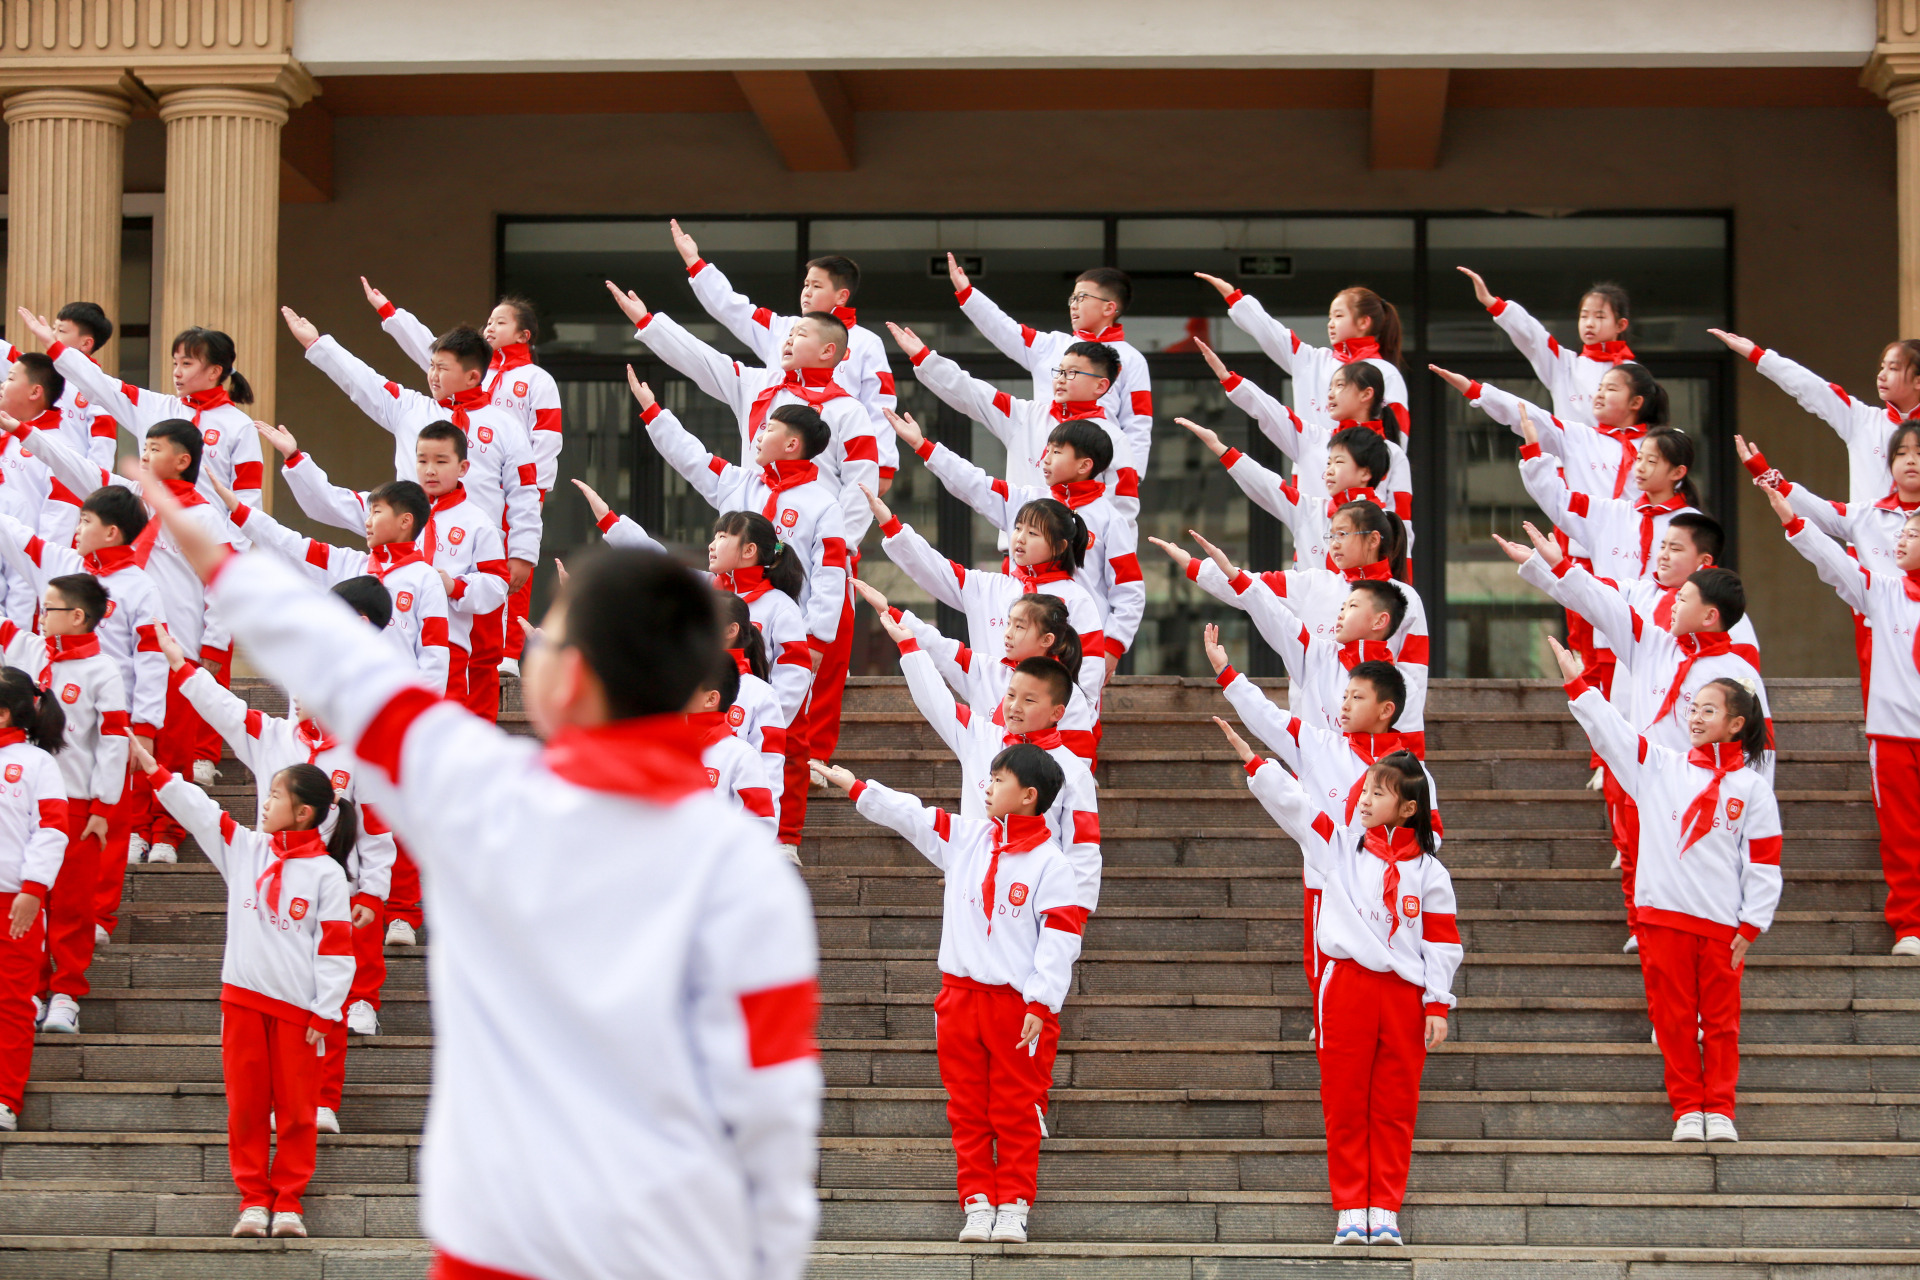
x: 133, y: 1213
x: 111, y: 972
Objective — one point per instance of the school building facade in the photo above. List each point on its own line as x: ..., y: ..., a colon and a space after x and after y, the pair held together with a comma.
x: 1753, y: 167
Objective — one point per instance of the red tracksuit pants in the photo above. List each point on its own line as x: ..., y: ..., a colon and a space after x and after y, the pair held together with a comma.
x: 996, y: 1090
x: 1313, y: 956
x: 20, y: 961
x: 830, y: 686
x: 794, y: 780
x: 122, y: 821
x: 403, y: 893
x: 1693, y: 988
x: 1896, y: 802
x: 178, y: 739
x: 457, y: 663
x: 1623, y: 825
x: 219, y: 664
x: 71, y: 908
x: 1372, y: 1047
x: 270, y: 1070
x: 369, y: 975
x: 487, y: 646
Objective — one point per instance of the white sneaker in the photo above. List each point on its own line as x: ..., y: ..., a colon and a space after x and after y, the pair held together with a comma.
x: 8, y: 1121
x: 1691, y: 1127
x: 288, y: 1225
x: 100, y: 936
x: 1615, y: 864
x: 163, y: 853
x: 39, y: 1012
x: 1907, y: 946
x: 252, y: 1224
x: 1351, y: 1228
x: 1632, y: 946
x: 510, y: 667
x: 1383, y: 1226
x: 137, y: 851
x: 1720, y: 1128
x: 362, y: 1020
x: 1598, y: 782
x: 979, y: 1228
x: 1010, y: 1224
x: 326, y: 1120
x: 205, y: 773
x: 63, y: 1015
x: 793, y: 853
x: 399, y: 934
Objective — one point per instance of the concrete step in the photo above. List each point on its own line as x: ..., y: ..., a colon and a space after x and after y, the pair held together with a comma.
x: 122, y: 965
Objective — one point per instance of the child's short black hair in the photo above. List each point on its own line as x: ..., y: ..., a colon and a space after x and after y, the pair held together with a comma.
x: 645, y: 626
x: 843, y: 272
x: 38, y: 367
x: 464, y: 343
x: 1050, y: 673
x: 1105, y: 360
x: 836, y: 327
x: 367, y: 596
x: 186, y: 436
x: 1032, y: 767
x: 405, y: 498
x: 89, y: 316
x: 1387, y: 599
x: 1086, y: 439
x: 1116, y: 282
x: 120, y: 507
x: 84, y: 592
x: 725, y: 678
x: 445, y: 430
x: 1705, y: 532
x: 813, y: 428
x: 1368, y: 451
x: 1722, y: 589
x: 1388, y: 684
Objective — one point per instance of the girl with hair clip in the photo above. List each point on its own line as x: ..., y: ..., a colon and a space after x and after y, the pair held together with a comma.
x: 287, y: 968
x: 1388, y: 936
x: 1708, y: 884
x: 1044, y: 548
x: 1361, y: 325
x: 1620, y: 534
x: 33, y: 842
x: 756, y: 716
x: 1571, y: 377
x: 1861, y: 426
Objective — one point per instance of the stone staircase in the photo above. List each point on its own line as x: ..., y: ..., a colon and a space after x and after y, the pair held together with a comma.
x: 1186, y: 1126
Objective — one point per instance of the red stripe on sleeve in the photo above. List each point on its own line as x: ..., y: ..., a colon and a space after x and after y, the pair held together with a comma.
x: 1643, y: 751
x: 1413, y: 649
x: 780, y: 1023
x: 943, y: 824
x: 763, y: 317
x: 1002, y: 402
x: 1128, y: 483
x: 104, y: 428
x: 372, y: 822
x: 1143, y: 403
x: 886, y: 382
x: 433, y: 631
x: 1086, y: 827
x: 1000, y: 490
x: 53, y: 814
x: 529, y: 474
x: 336, y: 938
x: 758, y: 801
x: 380, y: 745
x: 1067, y: 919
x: 255, y: 720
x: 248, y: 475
x: 36, y: 547
x: 1765, y: 850
x: 773, y: 740
x: 964, y: 714
x: 1577, y: 503
x: 1028, y: 334
x: 149, y: 640
x: 716, y: 464
x: 115, y: 723
x: 58, y: 492
x: 1440, y: 927
x: 795, y: 653
x: 546, y: 419
x: 1126, y: 568
x: 833, y: 553
x: 1837, y: 389
x: 227, y: 827
x: 132, y: 393
x: 393, y: 389
x: 1323, y: 827
x: 863, y: 449
x: 317, y: 553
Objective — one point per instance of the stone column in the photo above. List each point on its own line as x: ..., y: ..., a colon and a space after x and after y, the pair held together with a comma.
x: 64, y: 164
x: 223, y: 225
x: 1903, y: 100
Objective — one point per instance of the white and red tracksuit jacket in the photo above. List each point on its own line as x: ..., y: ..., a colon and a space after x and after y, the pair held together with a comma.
x: 1870, y: 530
x: 852, y: 460
x: 1305, y: 443
x: 1570, y: 377
x: 1011, y: 915
x: 976, y: 736
x: 513, y: 381
x: 1622, y: 535
x: 863, y: 371
x: 1129, y: 400
x: 93, y: 759
x: 418, y: 627
x: 267, y: 744
x: 1664, y: 671
x: 761, y: 723
x: 985, y: 597
x: 692, y: 1082
x: 982, y: 682
x: 231, y: 453
x: 1024, y: 425
x: 1318, y: 667
x: 1891, y: 602
x: 1390, y: 915
x: 28, y: 490
x: 1294, y: 603
x: 1709, y: 826
x: 734, y: 769
x: 1597, y: 461
x: 1864, y: 428
x: 1312, y: 368
x: 84, y: 425
x: 461, y: 540
x: 289, y: 916
x: 33, y: 816
x: 502, y: 478
x: 129, y: 633
x: 1111, y: 571
x: 797, y: 497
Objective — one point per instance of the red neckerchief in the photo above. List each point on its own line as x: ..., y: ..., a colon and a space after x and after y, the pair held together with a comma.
x: 739, y: 657
x: 846, y: 316
x: 1112, y: 333
x: 1648, y: 509
x: 286, y: 845
x: 388, y: 556
x: 314, y: 737
x: 709, y: 727
x: 1031, y: 576
x: 1045, y: 739
x: 1911, y: 582
x: 781, y: 476
x: 1393, y: 846
x: 1616, y: 352
x: 1720, y: 759
x: 1629, y: 438
x: 1378, y: 571
x: 651, y: 758
x: 1352, y: 349
x: 1663, y: 608
x: 452, y: 498
x: 815, y: 386
x: 72, y: 648
x: 1074, y: 410
x: 1355, y: 652
x: 1376, y: 426
x: 10, y: 736
x: 1372, y: 748
x: 1701, y: 644
x: 749, y: 582
x: 1015, y: 833
x: 1078, y: 493
x: 184, y: 494
x: 511, y: 356
x: 201, y: 401
x: 462, y: 401
x: 109, y: 560
x: 1895, y: 416
x: 1892, y: 503
x: 1359, y: 493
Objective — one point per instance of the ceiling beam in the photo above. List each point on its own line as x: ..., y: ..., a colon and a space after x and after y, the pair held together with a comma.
x: 1409, y: 115
x: 806, y: 115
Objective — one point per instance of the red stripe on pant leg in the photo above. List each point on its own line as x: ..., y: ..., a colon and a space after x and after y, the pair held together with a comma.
x: 1863, y: 653
x: 370, y: 958
x: 294, y: 1073
x: 794, y: 781
x: 174, y: 749
x: 70, y: 907
x: 1310, y: 912
x: 244, y: 1068
x: 457, y: 663
x: 829, y: 688
x: 517, y: 605
x: 403, y: 894
x: 1896, y: 802
x: 1017, y: 1087
x: 483, y: 665
x: 209, y: 744
x: 121, y: 822
x: 1669, y: 966
x: 20, y: 960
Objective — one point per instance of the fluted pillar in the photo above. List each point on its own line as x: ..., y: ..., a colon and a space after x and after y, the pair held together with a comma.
x: 1903, y: 100
x: 65, y: 158
x: 223, y: 224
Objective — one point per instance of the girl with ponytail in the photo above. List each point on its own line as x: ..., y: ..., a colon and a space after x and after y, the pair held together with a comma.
x: 755, y: 715
x: 1571, y: 376
x: 33, y: 841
